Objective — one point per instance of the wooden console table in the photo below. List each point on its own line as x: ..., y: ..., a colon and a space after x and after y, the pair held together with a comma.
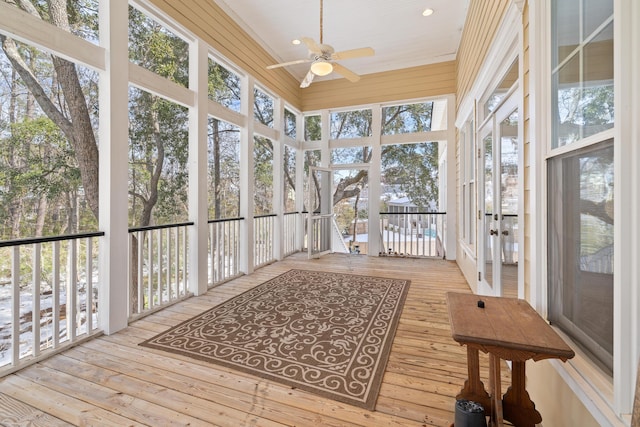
x: 510, y: 329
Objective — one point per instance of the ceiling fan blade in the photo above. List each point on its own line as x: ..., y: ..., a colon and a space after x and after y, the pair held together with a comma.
x: 307, y: 80
x: 353, y: 53
x: 345, y: 72
x: 312, y: 45
x: 286, y: 64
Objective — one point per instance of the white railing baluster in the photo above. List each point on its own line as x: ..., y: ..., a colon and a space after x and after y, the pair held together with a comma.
x: 72, y: 291
x: 159, y: 273
x: 34, y: 332
x: 140, y: 272
x: 89, y: 287
x: 15, y: 307
x: 176, y: 265
x: 55, y: 304
x: 168, y: 264
x: 36, y: 266
x: 185, y: 264
x: 149, y: 304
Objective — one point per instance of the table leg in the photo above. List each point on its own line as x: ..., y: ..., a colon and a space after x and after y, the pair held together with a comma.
x: 495, y: 388
x: 518, y: 407
x: 474, y: 388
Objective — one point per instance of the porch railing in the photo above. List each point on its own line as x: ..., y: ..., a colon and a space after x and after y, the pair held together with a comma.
x: 290, y: 232
x: 418, y: 234
x: 48, y: 297
x: 158, y: 269
x: 263, y: 229
x: 224, y: 249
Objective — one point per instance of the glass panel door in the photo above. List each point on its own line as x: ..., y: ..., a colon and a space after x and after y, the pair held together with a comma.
x: 509, y: 202
x: 352, y: 210
x: 320, y: 207
x: 489, y: 227
x: 499, y: 166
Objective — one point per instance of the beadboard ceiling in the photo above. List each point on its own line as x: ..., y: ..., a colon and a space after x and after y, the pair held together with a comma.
x: 396, y: 29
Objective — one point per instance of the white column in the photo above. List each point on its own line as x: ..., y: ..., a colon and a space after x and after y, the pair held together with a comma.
x: 114, y: 147
x: 452, y: 217
x: 198, y: 201
x: 247, y: 178
x: 374, y: 182
x: 300, y: 202
x: 278, y: 178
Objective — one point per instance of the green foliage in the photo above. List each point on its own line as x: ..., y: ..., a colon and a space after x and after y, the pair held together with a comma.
x: 38, y: 165
x: 223, y: 86
x: 158, y: 144
x: 413, y: 168
x: 157, y: 49
x: 351, y: 124
x: 263, y: 107
x: 263, y: 175
x: 224, y: 170
x: 407, y: 118
x: 312, y: 128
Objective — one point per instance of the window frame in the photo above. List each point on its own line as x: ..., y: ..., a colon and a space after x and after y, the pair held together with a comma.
x: 608, y: 399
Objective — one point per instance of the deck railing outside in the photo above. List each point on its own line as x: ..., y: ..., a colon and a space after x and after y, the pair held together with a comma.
x: 224, y: 249
x: 48, y: 296
x: 263, y: 229
x: 413, y: 233
x: 290, y: 232
x: 158, y: 269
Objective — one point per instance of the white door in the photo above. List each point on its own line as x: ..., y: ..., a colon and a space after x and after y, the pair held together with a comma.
x: 320, y: 217
x: 498, y: 193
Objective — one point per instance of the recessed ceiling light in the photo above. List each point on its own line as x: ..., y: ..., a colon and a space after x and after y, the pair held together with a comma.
x: 295, y: 41
x: 427, y: 12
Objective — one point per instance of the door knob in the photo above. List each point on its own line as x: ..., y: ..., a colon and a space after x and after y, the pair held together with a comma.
x: 505, y: 232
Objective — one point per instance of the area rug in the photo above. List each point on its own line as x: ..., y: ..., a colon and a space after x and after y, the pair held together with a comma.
x: 326, y: 333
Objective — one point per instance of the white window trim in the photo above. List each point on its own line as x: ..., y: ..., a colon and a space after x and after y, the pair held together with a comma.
x: 608, y: 399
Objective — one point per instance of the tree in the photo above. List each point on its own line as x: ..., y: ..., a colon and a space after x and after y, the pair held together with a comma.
x: 72, y: 114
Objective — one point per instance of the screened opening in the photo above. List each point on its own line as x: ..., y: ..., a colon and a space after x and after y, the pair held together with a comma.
x: 580, y: 257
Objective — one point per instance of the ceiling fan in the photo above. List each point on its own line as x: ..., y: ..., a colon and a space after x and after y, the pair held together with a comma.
x: 323, y: 56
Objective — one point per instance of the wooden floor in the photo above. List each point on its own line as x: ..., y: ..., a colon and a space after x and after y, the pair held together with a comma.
x: 111, y: 380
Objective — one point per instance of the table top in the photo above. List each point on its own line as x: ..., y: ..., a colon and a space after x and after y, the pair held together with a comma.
x: 507, y: 323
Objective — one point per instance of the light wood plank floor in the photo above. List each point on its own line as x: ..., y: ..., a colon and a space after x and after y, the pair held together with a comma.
x: 111, y: 380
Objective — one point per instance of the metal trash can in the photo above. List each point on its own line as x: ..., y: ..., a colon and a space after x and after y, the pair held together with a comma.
x: 469, y: 414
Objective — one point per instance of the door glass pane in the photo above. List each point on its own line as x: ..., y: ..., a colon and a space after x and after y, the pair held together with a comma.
x: 509, y: 203
x: 488, y: 207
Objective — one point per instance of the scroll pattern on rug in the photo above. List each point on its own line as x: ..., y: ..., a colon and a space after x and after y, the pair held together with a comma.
x: 327, y: 333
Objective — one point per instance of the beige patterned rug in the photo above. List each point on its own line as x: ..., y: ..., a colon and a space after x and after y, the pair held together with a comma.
x: 327, y: 333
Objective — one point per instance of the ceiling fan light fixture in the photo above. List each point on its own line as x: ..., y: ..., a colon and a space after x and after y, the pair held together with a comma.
x: 321, y: 68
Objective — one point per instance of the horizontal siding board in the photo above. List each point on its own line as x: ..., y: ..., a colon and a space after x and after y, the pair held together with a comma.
x: 416, y: 82
x: 482, y: 22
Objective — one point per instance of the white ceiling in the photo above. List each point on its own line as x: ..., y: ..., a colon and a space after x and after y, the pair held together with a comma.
x: 395, y: 29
